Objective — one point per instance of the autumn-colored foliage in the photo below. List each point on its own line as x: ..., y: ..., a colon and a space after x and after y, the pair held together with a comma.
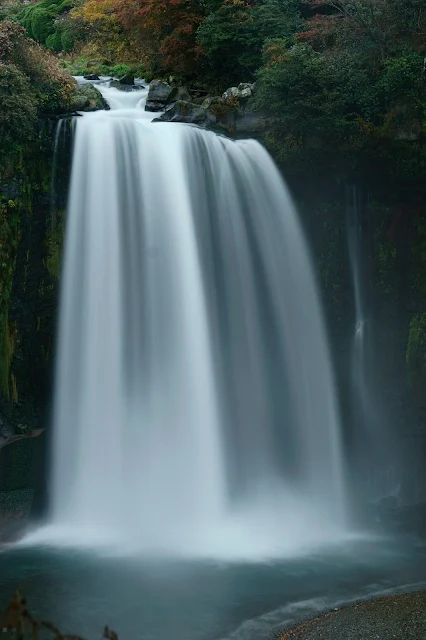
x: 43, y: 83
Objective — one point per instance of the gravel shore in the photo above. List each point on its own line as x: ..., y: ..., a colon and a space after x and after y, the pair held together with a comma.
x: 396, y: 617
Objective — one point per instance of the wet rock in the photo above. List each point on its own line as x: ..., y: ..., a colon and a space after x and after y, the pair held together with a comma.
x: 186, y: 112
x: 19, y: 468
x: 92, y: 76
x: 12, y: 528
x: 125, y: 87
x: 158, y: 96
x: 128, y: 79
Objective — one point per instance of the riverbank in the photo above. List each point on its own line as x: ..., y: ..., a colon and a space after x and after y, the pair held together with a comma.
x: 399, y: 616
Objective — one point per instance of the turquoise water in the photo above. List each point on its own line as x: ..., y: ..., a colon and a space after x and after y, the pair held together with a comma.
x: 81, y: 591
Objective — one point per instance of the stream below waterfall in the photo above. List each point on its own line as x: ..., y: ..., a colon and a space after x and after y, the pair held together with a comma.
x: 81, y: 590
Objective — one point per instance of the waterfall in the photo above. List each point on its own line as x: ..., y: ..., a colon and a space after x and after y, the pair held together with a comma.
x: 374, y: 446
x: 195, y: 411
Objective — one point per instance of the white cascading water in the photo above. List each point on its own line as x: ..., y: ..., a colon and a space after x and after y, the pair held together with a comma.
x: 195, y: 411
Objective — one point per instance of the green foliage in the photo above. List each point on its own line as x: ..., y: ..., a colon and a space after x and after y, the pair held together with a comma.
x: 18, y: 108
x: 120, y: 70
x: 351, y: 92
x: 39, y: 84
x: 232, y: 36
x: 9, y: 240
x: 54, y: 41
x: 41, y: 23
x: 47, y: 23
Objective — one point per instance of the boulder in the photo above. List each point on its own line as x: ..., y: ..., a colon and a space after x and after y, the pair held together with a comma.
x: 186, y: 112
x: 198, y: 100
x: 158, y: 96
x: 179, y: 94
x: 244, y: 90
x: 125, y: 87
x: 92, y: 76
x: 88, y: 98
x: 208, y: 102
x: 19, y: 467
x: 79, y: 102
x: 128, y: 79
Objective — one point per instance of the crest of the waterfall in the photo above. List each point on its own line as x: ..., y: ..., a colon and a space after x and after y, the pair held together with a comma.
x: 195, y: 410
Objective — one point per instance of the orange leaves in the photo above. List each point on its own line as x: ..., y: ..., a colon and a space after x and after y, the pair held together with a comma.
x: 172, y: 22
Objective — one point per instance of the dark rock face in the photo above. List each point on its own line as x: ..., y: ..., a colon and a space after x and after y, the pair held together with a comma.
x: 244, y: 122
x: 185, y: 112
x: 30, y: 313
x: 232, y: 112
x: 19, y: 466
x: 179, y: 94
x: 214, y: 113
x: 158, y: 96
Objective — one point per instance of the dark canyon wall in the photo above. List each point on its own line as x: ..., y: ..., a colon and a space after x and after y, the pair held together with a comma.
x: 31, y: 232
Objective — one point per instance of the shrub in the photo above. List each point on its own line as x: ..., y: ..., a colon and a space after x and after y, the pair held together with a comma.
x: 18, y: 107
x: 51, y: 86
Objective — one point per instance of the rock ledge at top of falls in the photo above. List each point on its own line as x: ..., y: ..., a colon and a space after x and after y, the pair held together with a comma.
x: 231, y: 112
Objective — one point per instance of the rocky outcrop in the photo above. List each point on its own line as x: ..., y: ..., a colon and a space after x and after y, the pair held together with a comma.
x: 128, y: 79
x: 125, y: 87
x: 88, y: 98
x: 179, y: 94
x: 244, y: 91
x: 186, y: 112
x: 232, y: 112
x: 19, y: 467
x: 158, y: 96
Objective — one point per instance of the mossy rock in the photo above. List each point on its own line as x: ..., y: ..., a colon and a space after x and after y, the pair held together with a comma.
x: 88, y: 98
x: 80, y: 102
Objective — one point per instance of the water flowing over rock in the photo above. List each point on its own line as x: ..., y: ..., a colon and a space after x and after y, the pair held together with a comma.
x: 195, y: 410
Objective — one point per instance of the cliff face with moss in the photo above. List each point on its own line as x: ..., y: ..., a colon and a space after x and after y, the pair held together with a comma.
x: 34, y: 88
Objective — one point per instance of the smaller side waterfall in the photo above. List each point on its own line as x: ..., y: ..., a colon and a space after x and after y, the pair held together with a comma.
x: 377, y: 468
x: 355, y: 249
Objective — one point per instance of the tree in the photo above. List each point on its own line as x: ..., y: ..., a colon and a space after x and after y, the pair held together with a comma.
x: 234, y: 32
